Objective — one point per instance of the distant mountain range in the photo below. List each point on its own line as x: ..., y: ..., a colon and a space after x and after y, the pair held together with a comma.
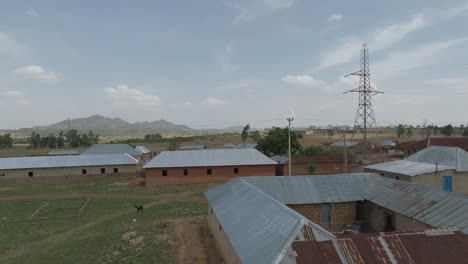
x: 116, y: 126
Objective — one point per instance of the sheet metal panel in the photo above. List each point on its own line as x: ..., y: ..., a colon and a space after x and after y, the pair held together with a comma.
x: 110, y: 149
x: 209, y: 157
x: 65, y: 161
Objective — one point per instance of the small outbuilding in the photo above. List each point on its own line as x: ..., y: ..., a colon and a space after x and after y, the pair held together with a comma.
x: 99, y: 149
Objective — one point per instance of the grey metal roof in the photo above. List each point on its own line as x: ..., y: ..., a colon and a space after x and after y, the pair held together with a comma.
x: 192, y: 147
x: 409, y: 168
x: 280, y: 159
x: 229, y: 145
x: 110, y: 149
x: 142, y: 149
x: 388, y: 143
x: 259, y: 228
x: 425, y: 161
x: 343, y: 144
x: 252, y: 213
x: 315, y: 189
x: 65, y: 161
x: 246, y: 146
x: 423, y: 203
x: 447, y: 156
x: 209, y: 157
x: 63, y: 152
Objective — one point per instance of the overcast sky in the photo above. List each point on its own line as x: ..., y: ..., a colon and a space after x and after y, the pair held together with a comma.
x: 220, y: 63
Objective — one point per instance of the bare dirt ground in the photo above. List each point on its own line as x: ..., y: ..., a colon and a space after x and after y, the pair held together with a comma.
x: 194, y: 242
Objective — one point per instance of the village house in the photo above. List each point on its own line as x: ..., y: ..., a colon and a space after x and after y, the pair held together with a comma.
x: 204, y: 166
x: 58, y: 169
x: 444, y: 168
x: 145, y: 153
x: 415, y: 146
x: 99, y: 149
x: 354, y: 218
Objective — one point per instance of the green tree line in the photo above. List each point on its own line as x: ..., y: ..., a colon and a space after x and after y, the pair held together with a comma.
x: 72, y: 139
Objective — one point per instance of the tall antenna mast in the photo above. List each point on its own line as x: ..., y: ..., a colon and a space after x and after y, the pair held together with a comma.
x: 365, y: 113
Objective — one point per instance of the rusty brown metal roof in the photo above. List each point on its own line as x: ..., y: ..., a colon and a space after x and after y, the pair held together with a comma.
x: 429, y: 246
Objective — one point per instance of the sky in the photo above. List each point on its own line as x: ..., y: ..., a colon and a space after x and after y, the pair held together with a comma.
x: 213, y: 64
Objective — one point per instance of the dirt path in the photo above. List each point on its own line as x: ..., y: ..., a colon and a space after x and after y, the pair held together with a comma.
x: 183, y: 196
x: 195, y: 244
x: 28, y: 247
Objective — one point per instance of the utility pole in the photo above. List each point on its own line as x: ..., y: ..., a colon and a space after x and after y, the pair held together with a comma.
x: 365, y: 113
x: 68, y: 132
x: 290, y: 119
x: 345, y: 153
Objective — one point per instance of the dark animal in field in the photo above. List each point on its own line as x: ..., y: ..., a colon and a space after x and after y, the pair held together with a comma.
x: 139, y: 208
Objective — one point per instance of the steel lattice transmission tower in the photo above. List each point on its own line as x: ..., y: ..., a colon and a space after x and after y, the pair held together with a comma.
x: 365, y: 113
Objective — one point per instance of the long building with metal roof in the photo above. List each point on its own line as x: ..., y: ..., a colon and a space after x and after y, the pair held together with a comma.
x: 207, y: 165
x: 72, y: 165
x: 254, y: 221
x: 445, y: 168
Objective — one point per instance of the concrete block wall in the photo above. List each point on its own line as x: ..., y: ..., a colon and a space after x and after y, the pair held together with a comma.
x: 322, y: 168
x: 309, y: 211
x: 222, y: 241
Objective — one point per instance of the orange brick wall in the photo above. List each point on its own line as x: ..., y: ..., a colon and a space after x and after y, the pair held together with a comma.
x: 199, y: 175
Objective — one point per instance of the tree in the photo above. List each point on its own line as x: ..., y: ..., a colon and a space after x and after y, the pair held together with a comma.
x: 174, y: 144
x: 409, y: 132
x: 276, y: 142
x: 52, y: 140
x: 465, y: 132
x: 245, y: 133
x: 34, y: 140
x: 256, y: 136
x: 400, y: 130
x: 330, y: 133
x: 6, y: 141
x: 447, y: 130
x: 312, y: 151
x: 60, y: 140
x: 74, y: 138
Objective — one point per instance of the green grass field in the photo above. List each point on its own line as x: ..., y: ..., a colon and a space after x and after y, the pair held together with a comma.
x: 90, y: 230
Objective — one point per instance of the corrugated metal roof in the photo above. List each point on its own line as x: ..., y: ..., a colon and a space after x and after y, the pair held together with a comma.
x: 246, y: 146
x: 343, y: 144
x: 418, y: 247
x: 259, y: 228
x: 406, y: 167
x: 229, y: 145
x: 315, y: 189
x: 142, y: 149
x: 209, y: 157
x: 65, y: 161
x: 280, y: 159
x: 192, y: 147
x: 110, y: 149
x: 447, y: 156
x: 63, y: 152
x: 423, y: 203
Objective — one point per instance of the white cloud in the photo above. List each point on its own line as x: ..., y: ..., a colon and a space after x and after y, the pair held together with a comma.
x: 335, y: 18
x: 243, y: 84
x: 383, y: 38
x: 389, y: 35
x: 224, y: 60
x: 248, y: 10
x: 448, y: 81
x: 305, y: 80
x: 37, y: 72
x: 13, y: 98
x: 212, y: 101
x: 123, y: 95
x: 428, y: 54
x: 9, y: 46
x: 32, y: 12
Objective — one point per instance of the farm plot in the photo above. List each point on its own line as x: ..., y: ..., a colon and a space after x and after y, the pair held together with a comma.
x: 13, y: 211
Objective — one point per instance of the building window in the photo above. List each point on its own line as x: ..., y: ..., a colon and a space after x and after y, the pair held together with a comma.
x: 2, y: 174
x: 236, y: 170
x: 211, y: 210
x: 116, y: 170
x: 164, y: 172
x: 208, y: 171
x: 30, y: 174
x: 185, y: 172
x: 397, y: 177
x: 83, y: 171
x: 220, y: 228
x: 326, y: 216
x: 103, y: 170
